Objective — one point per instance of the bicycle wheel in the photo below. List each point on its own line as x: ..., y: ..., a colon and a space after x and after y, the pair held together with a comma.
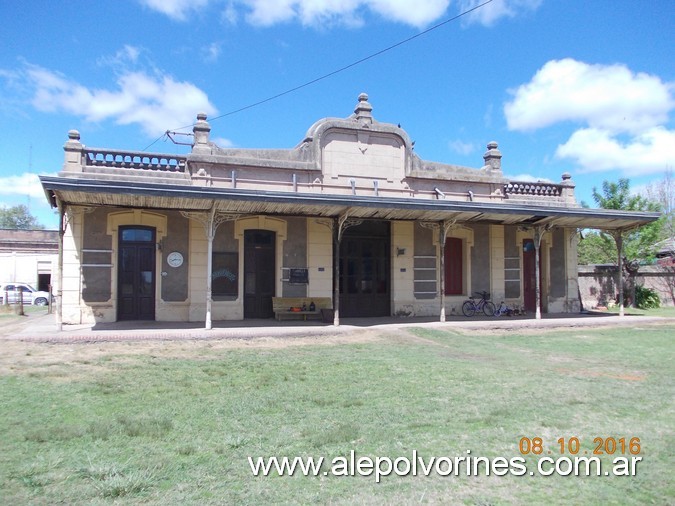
x: 468, y: 308
x: 489, y: 308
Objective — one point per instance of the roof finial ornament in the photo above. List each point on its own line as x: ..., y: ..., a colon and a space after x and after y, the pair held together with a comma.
x: 493, y: 157
x: 364, y: 111
x: 201, y: 131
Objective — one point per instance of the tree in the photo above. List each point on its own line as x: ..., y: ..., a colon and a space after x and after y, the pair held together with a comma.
x: 663, y: 192
x: 18, y: 218
x: 631, y: 245
x: 596, y: 248
x: 638, y: 244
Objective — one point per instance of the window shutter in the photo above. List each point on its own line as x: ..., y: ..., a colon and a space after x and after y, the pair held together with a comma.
x: 454, y: 267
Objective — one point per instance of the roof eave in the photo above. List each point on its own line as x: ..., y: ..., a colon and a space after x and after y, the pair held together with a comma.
x: 307, y: 203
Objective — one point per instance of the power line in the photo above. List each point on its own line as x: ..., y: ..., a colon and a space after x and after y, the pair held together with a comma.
x: 337, y: 71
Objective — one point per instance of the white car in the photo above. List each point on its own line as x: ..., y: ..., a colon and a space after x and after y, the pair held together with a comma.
x: 30, y: 294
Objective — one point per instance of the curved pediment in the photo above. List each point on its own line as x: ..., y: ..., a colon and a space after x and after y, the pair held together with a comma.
x: 360, y: 146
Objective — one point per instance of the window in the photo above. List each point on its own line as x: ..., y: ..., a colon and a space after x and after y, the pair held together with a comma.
x: 454, y: 266
x: 137, y: 235
x: 225, y: 276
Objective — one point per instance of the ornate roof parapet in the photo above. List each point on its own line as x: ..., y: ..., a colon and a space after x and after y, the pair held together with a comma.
x: 559, y: 194
x: 354, y: 155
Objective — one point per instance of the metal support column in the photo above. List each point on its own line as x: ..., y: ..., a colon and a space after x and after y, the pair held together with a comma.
x: 210, y: 220
x: 59, y: 276
x: 336, y: 271
x: 618, y: 239
x: 210, y: 233
x: 338, y: 225
x: 442, y: 232
x: 538, y: 235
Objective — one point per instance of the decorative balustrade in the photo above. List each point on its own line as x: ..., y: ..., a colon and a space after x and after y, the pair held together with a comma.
x: 533, y: 189
x: 126, y: 160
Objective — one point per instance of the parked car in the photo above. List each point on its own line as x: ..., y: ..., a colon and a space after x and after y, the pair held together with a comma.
x: 30, y: 294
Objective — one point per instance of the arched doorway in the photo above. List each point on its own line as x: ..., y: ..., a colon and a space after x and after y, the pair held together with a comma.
x: 136, y: 273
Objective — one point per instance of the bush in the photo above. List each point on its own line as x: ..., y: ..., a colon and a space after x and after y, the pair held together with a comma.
x: 646, y: 298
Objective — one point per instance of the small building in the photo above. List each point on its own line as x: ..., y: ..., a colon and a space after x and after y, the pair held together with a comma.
x: 28, y: 256
x: 351, y: 213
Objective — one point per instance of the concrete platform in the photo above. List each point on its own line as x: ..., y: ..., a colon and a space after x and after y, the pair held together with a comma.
x: 42, y: 328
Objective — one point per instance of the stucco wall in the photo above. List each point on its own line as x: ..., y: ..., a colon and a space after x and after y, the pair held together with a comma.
x: 97, y: 258
x: 480, y: 259
x: 512, y: 266
x: 174, y: 285
x: 558, y: 264
x: 295, y: 255
x: 598, y: 284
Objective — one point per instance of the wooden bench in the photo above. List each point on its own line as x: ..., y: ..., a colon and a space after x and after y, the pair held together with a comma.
x: 282, y: 306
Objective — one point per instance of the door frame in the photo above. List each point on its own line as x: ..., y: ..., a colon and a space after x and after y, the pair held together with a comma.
x: 135, y: 217
x: 353, y: 234
x: 148, y: 244
x: 277, y: 225
x: 273, y: 274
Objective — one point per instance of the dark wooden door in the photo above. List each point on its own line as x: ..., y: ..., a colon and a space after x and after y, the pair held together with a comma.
x: 365, y: 271
x: 259, y: 273
x: 136, y: 274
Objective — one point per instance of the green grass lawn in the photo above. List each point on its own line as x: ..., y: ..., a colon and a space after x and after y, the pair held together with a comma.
x: 663, y: 311
x: 9, y: 312
x: 172, y: 423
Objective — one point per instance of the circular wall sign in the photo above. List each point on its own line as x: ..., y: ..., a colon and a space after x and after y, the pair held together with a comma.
x: 175, y: 259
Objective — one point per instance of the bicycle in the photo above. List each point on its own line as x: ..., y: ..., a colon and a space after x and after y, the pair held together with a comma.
x: 471, y: 306
x: 503, y: 309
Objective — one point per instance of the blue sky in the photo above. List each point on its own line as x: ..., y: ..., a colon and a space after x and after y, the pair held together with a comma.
x: 562, y: 85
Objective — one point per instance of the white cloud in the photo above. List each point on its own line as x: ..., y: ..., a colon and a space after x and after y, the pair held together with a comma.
x: 127, y: 55
x: 308, y: 12
x: 155, y: 103
x: 597, y: 150
x: 311, y: 12
x: 211, y: 53
x: 418, y: 14
x: 623, y: 115
x: 26, y: 184
x: 461, y: 147
x: 346, y: 12
x: 175, y: 9
x: 489, y: 14
x: 222, y: 142
x: 610, y: 97
x: 229, y: 14
x: 528, y: 178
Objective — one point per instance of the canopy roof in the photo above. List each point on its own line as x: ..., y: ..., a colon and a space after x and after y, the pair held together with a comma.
x: 96, y: 192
